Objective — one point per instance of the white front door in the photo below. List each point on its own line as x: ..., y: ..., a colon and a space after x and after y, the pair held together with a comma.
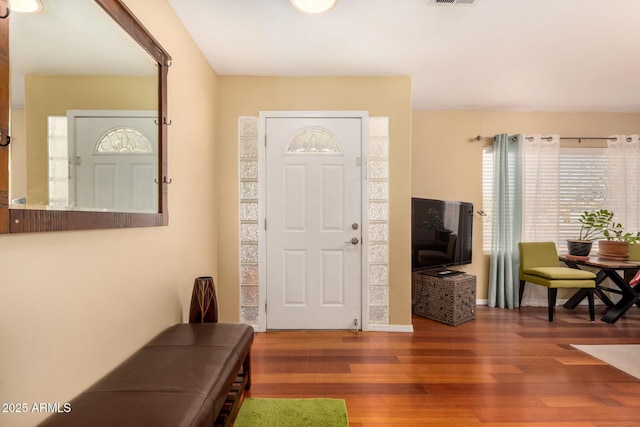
x: 116, y: 163
x: 313, y: 218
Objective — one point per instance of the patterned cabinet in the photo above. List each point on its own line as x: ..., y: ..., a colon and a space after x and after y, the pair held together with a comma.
x: 450, y: 300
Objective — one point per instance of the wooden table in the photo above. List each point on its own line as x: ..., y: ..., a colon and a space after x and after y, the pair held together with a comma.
x: 630, y: 295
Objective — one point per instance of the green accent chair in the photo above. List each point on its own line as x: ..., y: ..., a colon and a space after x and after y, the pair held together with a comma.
x: 539, y: 265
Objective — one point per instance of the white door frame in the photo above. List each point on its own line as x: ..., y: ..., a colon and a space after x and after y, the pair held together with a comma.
x: 262, y: 197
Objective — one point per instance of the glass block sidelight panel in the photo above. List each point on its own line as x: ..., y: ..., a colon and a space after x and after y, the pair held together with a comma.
x: 248, y: 126
x: 249, y: 253
x: 249, y: 315
x: 378, y: 190
x: 378, y: 274
x: 378, y: 126
x: 378, y: 295
x: 379, y: 232
x: 378, y: 169
x: 378, y: 253
x: 249, y: 216
x: 248, y: 148
x: 57, y: 126
x: 379, y: 148
x: 58, y: 161
x: 379, y: 315
x: 248, y: 169
x: 249, y: 211
x: 249, y: 274
x: 249, y: 232
x: 249, y: 190
x: 249, y: 295
x: 378, y: 211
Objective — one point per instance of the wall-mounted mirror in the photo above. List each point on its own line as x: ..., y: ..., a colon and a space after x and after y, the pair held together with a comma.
x: 87, y: 119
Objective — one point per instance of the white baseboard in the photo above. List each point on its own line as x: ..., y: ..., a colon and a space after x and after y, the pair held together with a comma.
x: 390, y: 328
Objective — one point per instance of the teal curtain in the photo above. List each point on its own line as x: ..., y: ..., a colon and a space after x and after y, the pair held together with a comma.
x: 506, y: 221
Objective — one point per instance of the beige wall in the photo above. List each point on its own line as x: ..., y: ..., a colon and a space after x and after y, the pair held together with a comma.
x: 47, y: 95
x: 75, y: 304
x: 380, y: 96
x: 18, y: 155
x: 447, y: 164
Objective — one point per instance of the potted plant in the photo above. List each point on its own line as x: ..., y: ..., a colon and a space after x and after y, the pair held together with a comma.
x: 592, y: 226
x: 617, y: 241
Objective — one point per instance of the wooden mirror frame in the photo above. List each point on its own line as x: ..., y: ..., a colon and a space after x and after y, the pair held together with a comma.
x: 32, y: 220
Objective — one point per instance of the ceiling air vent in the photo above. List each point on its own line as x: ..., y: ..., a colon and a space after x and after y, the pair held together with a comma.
x: 453, y: 2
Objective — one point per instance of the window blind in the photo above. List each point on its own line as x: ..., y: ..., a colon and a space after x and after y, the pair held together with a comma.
x: 583, y: 187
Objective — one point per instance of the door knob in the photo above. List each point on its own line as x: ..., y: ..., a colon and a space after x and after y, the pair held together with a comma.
x: 354, y: 241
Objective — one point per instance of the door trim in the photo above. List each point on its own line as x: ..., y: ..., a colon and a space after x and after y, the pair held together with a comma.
x: 262, y: 197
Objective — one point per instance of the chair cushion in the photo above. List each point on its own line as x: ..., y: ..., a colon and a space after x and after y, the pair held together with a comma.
x: 560, y: 273
x: 564, y: 283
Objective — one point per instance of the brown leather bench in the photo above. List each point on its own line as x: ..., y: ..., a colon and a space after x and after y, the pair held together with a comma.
x: 180, y: 378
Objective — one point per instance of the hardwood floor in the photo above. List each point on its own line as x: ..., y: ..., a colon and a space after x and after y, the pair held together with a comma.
x: 505, y: 368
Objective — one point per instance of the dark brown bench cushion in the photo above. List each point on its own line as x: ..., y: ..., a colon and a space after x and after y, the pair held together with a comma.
x: 180, y: 378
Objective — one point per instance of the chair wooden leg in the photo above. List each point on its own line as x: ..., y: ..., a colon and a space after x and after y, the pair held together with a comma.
x: 552, y: 293
x: 522, y: 282
x: 592, y: 310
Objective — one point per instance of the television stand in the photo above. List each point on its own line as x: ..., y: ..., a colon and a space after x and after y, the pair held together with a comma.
x: 447, y: 299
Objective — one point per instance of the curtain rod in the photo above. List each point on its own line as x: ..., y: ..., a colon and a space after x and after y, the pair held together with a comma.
x: 548, y: 138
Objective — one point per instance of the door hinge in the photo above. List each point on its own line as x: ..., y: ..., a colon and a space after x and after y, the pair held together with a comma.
x: 265, y: 140
x: 265, y: 223
x: 265, y: 306
x: 78, y: 161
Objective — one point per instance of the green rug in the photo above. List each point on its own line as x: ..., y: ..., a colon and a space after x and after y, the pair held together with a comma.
x: 256, y: 412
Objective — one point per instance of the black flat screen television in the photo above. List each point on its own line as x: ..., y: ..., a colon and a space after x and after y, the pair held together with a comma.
x: 440, y: 233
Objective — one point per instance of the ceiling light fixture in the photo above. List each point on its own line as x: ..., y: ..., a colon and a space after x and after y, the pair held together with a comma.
x: 314, y: 7
x: 27, y: 6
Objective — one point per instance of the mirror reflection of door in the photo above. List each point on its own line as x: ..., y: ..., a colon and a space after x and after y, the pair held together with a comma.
x: 114, y: 164
x: 71, y: 56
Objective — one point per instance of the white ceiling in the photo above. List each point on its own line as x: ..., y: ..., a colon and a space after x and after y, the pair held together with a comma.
x: 519, y: 55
